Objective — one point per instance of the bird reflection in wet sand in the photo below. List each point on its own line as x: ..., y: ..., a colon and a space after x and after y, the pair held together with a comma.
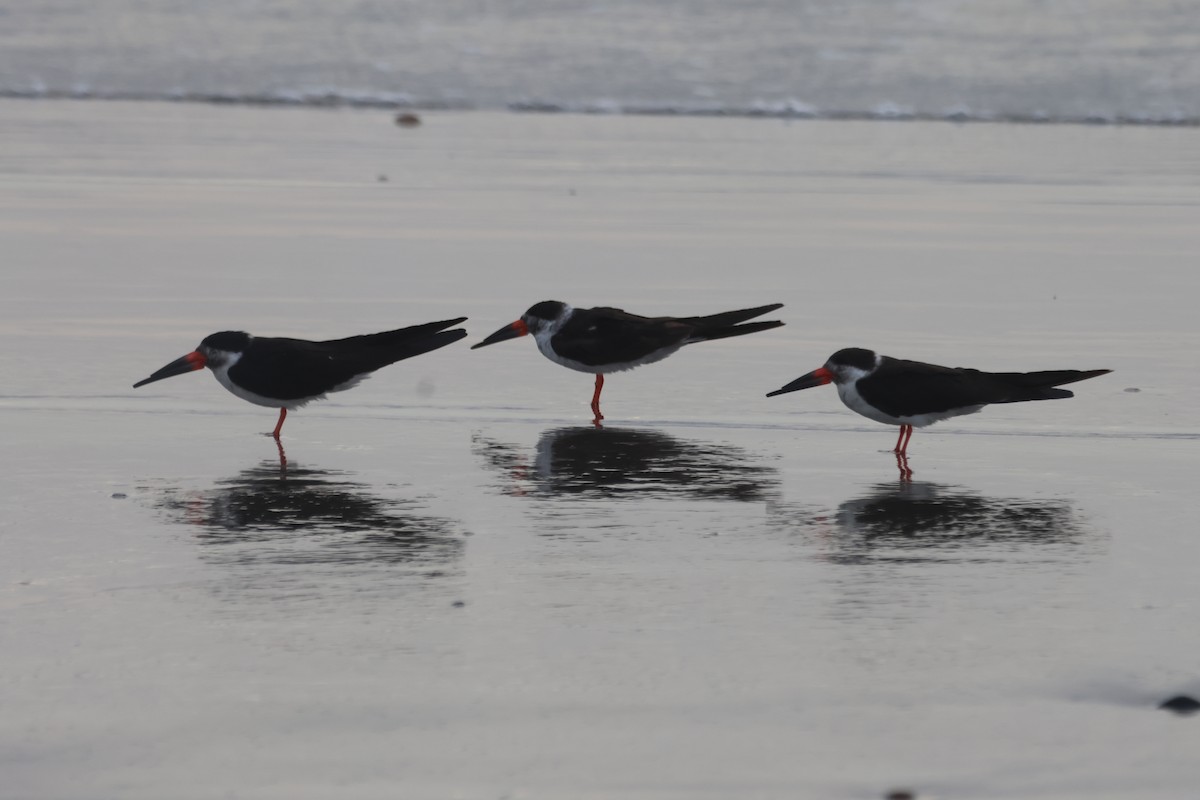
x: 927, y: 521
x: 303, y: 515
x: 629, y: 463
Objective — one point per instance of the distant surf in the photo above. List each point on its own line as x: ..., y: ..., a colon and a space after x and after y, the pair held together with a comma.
x: 778, y: 109
x: 1128, y: 62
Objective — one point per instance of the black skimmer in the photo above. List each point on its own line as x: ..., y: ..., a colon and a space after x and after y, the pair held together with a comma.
x: 287, y: 373
x: 603, y: 340
x: 912, y: 394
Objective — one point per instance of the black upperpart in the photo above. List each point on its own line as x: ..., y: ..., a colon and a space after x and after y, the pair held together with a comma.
x: 299, y: 370
x: 229, y: 341
x: 903, y: 388
x: 854, y: 357
x: 547, y: 309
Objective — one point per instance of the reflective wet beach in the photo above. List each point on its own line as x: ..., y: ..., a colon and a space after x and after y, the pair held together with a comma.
x: 301, y: 515
x: 455, y: 585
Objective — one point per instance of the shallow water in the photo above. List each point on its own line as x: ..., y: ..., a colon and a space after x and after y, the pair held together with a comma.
x: 457, y: 587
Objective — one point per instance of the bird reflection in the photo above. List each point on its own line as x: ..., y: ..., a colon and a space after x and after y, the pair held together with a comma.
x: 906, y: 521
x: 628, y: 463
x: 302, y: 515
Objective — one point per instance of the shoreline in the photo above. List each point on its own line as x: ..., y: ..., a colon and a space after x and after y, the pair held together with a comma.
x: 778, y: 110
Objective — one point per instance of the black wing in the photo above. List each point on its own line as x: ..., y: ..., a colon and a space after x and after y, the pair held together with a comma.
x: 600, y: 336
x: 728, y: 319
x: 292, y: 369
x: 908, y: 388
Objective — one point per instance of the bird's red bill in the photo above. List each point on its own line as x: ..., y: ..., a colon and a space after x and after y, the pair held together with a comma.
x: 510, y: 331
x: 192, y: 361
x: 818, y: 377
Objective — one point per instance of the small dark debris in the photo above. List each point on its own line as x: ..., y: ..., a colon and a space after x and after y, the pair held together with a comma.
x: 1133, y: 389
x: 407, y: 119
x: 119, y: 495
x: 382, y: 178
x: 458, y: 604
x: 900, y: 794
x: 1181, y: 704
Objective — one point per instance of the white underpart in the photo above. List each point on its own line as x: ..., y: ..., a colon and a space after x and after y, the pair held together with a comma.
x: 847, y: 387
x: 543, y: 337
x: 229, y: 359
x: 657, y: 355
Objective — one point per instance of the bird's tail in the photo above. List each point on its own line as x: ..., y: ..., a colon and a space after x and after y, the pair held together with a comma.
x: 725, y: 324
x: 393, y: 346
x: 1041, y: 385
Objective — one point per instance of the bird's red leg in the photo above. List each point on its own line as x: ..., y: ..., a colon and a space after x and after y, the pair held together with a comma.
x: 896, y: 449
x: 902, y: 442
x: 596, y: 399
x: 279, y: 425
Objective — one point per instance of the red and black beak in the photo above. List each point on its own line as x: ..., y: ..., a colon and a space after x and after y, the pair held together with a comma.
x: 818, y: 377
x: 518, y: 328
x: 192, y: 361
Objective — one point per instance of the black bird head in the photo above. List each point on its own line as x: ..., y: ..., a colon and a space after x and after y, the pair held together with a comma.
x: 538, y: 318
x: 844, y: 366
x: 215, y: 351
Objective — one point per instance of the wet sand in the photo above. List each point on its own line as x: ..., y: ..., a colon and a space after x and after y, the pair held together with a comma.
x: 458, y: 588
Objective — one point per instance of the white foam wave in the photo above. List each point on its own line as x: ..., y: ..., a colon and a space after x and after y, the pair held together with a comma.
x: 786, y: 108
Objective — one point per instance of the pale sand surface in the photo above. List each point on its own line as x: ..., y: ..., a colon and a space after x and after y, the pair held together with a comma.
x: 458, y: 590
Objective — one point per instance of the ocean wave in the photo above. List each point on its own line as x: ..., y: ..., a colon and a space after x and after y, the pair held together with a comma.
x: 787, y: 108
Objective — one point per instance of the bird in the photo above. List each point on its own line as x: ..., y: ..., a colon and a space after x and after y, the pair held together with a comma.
x: 912, y: 394
x: 288, y: 373
x: 603, y: 340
